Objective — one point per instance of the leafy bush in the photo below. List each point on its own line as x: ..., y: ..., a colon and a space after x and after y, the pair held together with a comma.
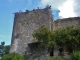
x: 75, y: 55
x: 27, y: 11
x: 12, y: 56
x: 54, y: 58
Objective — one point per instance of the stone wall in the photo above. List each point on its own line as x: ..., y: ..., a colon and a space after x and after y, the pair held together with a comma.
x: 26, y: 22
x: 63, y: 23
x: 24, y: 25
x: 36, y: 51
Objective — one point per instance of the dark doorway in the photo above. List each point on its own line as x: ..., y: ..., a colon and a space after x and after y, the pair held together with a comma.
x: 52, y: 52
x: 60, y: 50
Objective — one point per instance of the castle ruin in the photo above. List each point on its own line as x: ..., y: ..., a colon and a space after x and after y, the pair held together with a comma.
x: 24, y: 25
x: 26, y: 22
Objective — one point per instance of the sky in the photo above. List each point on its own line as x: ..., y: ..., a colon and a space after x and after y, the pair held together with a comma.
x: 60, y: 9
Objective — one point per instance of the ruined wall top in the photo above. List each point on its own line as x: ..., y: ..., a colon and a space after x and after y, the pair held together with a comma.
x: 63, y: 23
x: 38, y: 9
x: 70, y: 18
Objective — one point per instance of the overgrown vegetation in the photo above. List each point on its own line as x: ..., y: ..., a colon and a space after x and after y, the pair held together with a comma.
x: 75, y: 55
x: 45, y: 36
x: 68, y: 38
x: 4, y: 49
x: 12, y: 56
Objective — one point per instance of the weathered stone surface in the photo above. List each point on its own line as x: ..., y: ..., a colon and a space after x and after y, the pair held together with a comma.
x: 26, y: 23
x: 63, y: 23
x: 24, y: 26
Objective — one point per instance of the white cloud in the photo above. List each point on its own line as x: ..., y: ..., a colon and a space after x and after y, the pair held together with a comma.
x: 54, y: 3
x: 66, y: 7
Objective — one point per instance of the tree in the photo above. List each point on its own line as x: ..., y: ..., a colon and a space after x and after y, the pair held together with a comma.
x: 46, y: 37
x: 60, y: 37
x: 69, y: 37
x: 73, y: 41
x: 3, y: 43
x: 4, y: 49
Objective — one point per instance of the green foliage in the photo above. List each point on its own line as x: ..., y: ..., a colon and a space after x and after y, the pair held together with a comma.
x: 44, y: 35
x: 26, y: 57
x: 69, y: 37
x: 54, y: 58
x: 60, y: 36
x: 12, y: 56
x: 27, y: 11
x: 75, y: 55
x: 2, y: 49
x: 73, y: 37
x: 6, y: 49
x: 3, y: 43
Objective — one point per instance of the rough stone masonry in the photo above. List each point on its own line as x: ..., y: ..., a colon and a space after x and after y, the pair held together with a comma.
x: 26, y: 22
x: 24, y: 25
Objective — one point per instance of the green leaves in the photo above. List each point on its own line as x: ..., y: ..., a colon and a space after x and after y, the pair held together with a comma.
x: 44, y: 35
x: 75, y: 55
x: 70, y: 37
x: 3, y: 43
x: 4, y: 49
x: 12, y: 56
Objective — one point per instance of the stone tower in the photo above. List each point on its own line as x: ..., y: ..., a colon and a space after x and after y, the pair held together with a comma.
x: 24, y: 25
